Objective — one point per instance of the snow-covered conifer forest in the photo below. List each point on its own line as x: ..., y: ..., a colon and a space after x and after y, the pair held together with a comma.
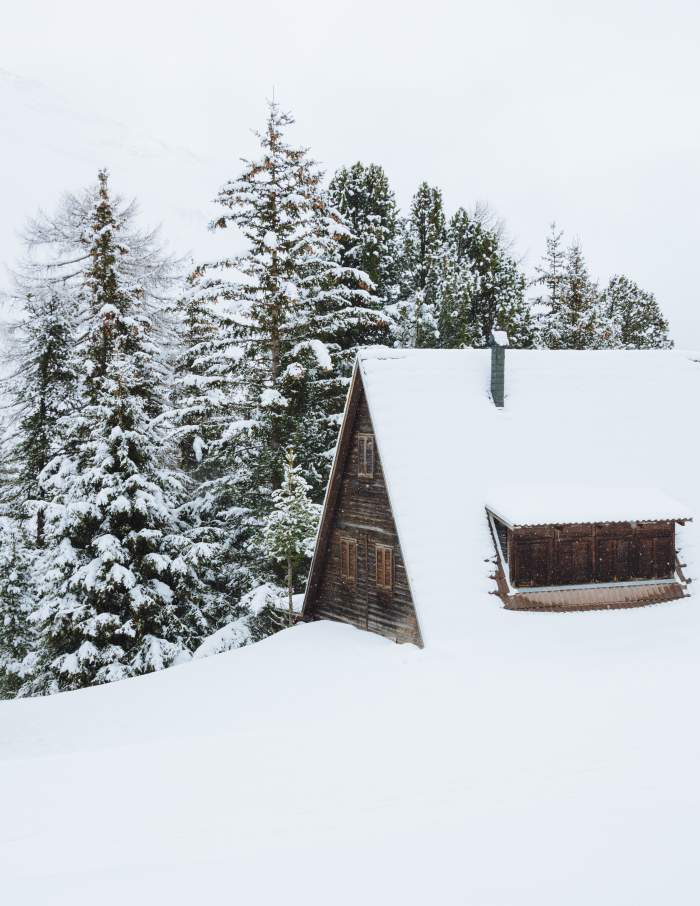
x: 217, y: 219
x: 169, y: 425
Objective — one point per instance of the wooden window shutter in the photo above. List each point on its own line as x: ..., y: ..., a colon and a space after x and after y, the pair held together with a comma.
x: 348, y: 560
x: 344, y: 559
x: 365, y: 455
x: 352, y: 572
x: 369, y: 456
x: 385, y: 566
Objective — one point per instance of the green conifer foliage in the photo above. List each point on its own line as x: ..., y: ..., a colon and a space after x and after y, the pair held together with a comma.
x: 44, y: 391
x: 576, y: 322
x: 365, y: 200
x: 295, y: 316
x: 635, y: 316
x: 289, y: 531
x: 481, y: 287
x: 16, y: 633
x: 551, y: 274
x: 424, y: 237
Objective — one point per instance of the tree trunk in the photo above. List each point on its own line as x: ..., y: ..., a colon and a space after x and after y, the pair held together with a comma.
x: 290, y: 590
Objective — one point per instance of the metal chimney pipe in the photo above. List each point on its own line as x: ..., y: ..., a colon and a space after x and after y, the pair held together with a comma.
x: 498, y: 343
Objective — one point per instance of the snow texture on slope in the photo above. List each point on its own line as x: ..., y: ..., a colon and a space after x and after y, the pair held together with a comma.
x: 547, y: 759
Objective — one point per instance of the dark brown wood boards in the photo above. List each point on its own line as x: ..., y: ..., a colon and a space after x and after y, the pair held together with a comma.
x: 358, y: 510
x: 581, y: 554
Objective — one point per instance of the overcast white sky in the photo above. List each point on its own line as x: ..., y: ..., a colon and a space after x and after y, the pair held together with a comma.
x: 583, y: 112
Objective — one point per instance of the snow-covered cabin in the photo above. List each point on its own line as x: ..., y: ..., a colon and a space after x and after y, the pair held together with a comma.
x: 535, y: 480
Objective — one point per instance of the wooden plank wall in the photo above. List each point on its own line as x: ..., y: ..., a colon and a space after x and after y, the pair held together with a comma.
x: 579, y: 554
x: 363, y: 512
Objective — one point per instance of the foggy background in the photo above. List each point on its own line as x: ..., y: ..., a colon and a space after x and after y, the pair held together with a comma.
x: 582, y: 113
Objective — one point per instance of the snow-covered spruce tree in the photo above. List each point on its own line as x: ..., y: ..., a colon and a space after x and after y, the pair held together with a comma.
x: 416, y: 321
x: 43, y: 386
x: 289, y: 530
x: 550, y: 276
x: 16, y: 633
x: 457, y: 288
x: 635, y: 316
x: 365, y: 200
x: 120, y: 590
x: 576, y: 322
x: 205, y: 395
x: 204, y: 381
x: 294, y: 315
x: 481, y: 286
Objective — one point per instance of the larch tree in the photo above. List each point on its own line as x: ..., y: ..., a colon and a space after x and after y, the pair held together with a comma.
x: 120, y: 592
x: 636, y: 319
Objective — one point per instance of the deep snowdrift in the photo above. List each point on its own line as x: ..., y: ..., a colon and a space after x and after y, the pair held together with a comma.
x: 550, y: 759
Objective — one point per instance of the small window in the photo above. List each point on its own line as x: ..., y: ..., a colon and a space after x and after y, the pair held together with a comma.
x: 385, y: 567
x: 348, y: 560
x: 365, y: 451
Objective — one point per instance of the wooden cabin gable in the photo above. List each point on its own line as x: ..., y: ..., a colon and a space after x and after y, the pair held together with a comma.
x: 358, y: 575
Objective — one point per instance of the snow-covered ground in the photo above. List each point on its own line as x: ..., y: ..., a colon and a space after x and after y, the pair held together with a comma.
x: 549, y: 759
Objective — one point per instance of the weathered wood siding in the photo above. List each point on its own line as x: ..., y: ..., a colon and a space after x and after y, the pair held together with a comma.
x: 581, y: 554
x: 361, y: 510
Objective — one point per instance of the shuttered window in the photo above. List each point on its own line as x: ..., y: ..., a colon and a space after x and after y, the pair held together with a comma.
x: 348, y: 560
x: 586, y: 554
x: 385, y: 566
x: 365, y: 450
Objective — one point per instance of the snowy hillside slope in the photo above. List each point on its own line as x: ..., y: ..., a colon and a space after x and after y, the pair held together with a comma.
x: 547, y: 759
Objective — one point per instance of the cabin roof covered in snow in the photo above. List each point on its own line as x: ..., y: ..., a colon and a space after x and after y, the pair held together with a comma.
x: 587, y: 420
x: 547, y: 504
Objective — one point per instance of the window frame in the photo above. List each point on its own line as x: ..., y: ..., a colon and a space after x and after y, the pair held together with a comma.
x: 385, y: 550
x: 349, y: 576
x: 365, y: 442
